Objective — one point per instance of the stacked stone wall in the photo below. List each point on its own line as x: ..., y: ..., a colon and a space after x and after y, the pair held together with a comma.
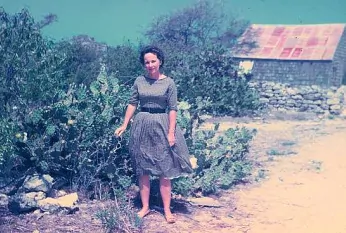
x: 279, y: 96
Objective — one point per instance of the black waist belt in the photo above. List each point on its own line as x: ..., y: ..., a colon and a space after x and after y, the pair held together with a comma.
x: 153, y: 110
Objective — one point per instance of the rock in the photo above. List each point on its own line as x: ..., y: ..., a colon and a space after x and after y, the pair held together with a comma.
x: 291, y: 91
x: 334, y: 89
x: 318, y: 102
x: 309, y: 102
x: 68, y: 200
x: 54, y: 204
x: 48, y: 205
x: 297, y: 97
x: 38, y: 183
x: 315, y: 87
x: 57, y: 193
x: 312, y: 97
x: 318, y: 110
x: 3, y: 200
x: 277, y: 86
x: 330, y: 94
x: 324, y: 106
x: 267, y: 94
x: 290, y: 102
x: 335, y: 107
x: 273, y: 101
x: 333, y: 101
x: 303, y: 108
x: 37, y: 211
x: 264, y: 100
x: 204, y: 201
x: 25, y: 202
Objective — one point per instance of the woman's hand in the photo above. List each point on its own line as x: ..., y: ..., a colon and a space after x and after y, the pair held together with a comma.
x: 171, y: 139
x: 119, y: 131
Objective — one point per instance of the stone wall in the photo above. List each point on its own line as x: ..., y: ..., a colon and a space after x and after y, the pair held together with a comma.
x: 314, y: 99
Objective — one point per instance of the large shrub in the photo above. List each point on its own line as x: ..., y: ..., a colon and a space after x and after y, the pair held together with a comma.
x: 30, y: 71
x: 7, y: 147
x: 30, y: 77
x: 72, y: 138
x: 214, y: 86
x: 124, y: 61
x: 59, y: 109
x: 83, y: 57
x: 222, y: 156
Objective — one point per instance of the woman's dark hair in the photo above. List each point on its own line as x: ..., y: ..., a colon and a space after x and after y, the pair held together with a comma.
x: 154, y: 50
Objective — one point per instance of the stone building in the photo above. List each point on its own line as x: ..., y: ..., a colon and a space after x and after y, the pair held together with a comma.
x: 294, y: 54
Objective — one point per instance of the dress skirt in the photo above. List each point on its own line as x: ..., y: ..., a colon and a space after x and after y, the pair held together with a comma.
x: 150, y: 151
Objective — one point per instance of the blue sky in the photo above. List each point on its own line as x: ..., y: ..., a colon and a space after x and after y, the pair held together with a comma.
x: 113, y: 21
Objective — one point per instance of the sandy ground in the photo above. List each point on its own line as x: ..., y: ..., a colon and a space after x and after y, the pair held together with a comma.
x: 298, y: 186
x: 304, y: 193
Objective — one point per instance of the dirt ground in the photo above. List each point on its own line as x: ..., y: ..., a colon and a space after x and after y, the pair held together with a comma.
x: 298, y: 186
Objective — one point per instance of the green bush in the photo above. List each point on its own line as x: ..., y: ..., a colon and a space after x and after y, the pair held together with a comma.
x: 221, y: 158
x: 31, y: 70
x: 7, y: 148
x: 214, y: 87
x: 72, y: 138
x: 123, y: 60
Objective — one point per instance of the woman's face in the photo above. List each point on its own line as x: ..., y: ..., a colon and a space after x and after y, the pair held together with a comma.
x: 152, y: 64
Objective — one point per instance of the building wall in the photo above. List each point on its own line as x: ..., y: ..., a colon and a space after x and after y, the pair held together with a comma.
x: 339, y: 62
x: 294, y: 72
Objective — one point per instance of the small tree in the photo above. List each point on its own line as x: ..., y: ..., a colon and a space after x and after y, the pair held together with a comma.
x: 197, y: 25
x: 194, y: 28
x: 124, y: 61
x: 30, y: 70
x: 83, y: 58
x: 214, y: 86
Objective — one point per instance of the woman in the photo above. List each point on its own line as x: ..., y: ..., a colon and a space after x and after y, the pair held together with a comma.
x: 157, y: 145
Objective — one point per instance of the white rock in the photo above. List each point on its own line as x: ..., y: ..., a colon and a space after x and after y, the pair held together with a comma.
x: 204, y: 201
x: 333, y: 101
x: 335, y: 107
x: 68, y: 200
x: 3, y: 199
x: 53, y: 204
x: 37, y: 183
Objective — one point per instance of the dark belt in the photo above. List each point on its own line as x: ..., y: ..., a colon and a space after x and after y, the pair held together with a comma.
x: 153, y: 110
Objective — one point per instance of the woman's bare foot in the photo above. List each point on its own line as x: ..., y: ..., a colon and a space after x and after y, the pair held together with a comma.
x: 169, y: 217
x: 143, y: 212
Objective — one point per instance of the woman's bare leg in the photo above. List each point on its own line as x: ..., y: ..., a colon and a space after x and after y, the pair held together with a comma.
x: 165, y: 189
x: 144, y: 189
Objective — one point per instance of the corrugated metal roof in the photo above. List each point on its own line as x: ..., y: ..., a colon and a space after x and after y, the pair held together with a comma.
x: 290, y: 42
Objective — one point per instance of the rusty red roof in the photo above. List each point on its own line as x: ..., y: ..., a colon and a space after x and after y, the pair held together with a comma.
x: 290, y: 42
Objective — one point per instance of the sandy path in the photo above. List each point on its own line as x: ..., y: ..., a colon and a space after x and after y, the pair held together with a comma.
x: 305, y: 193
